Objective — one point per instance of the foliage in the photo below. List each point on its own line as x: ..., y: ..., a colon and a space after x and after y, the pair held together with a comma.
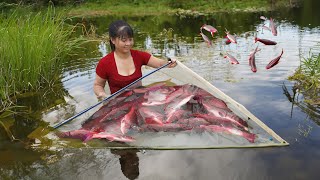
x: 308, y: 78
x: 32, y: 48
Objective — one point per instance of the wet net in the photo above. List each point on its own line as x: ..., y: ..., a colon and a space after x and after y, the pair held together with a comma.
x: 174, y: 109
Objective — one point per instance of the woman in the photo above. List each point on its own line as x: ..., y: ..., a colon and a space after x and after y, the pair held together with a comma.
x: 123, y: 65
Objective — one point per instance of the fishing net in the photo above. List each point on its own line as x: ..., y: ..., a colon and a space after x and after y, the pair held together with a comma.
x: 174, y: 109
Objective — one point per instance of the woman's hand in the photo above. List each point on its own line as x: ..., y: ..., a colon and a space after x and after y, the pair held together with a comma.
x: 101, y: 96
x: 173, y: 63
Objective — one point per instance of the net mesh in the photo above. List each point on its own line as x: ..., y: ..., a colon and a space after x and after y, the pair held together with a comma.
x: 175, y: 109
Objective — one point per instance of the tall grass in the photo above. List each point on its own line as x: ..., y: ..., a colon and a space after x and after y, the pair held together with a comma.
x: 307, y: 77
x: 32, y: 48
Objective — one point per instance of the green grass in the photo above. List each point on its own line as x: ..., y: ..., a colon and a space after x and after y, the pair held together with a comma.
x: 156, y: 7
x: 307, y: 77
x: 32, y: 48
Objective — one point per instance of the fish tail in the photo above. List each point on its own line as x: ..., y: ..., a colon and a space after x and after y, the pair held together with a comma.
x: 250, y: 137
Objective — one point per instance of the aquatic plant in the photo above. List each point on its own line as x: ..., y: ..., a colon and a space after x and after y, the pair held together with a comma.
x: 307, y: 77
x: 32, y: 48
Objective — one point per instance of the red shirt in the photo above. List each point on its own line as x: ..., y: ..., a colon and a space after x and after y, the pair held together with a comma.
x: 107, y: 69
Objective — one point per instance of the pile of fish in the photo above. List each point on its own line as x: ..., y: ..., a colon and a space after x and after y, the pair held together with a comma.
x: 161, y: 108
x: 232, y: 39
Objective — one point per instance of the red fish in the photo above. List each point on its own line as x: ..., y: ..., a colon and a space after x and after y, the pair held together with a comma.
x: 252, y: 60
x: 86, y: 135
x: 150, y: 88
x: 175, y: 105
x: 263, y: 18
x: 231, y: 37
x: 265, y: 41
x: 215, y: 128
x: 206, y: 39
x: 119, y: 109
x: 209, y: 28
x: 193, y: 122
x: 176, y: 115
x: 273, y: 27
x: 82, y: 134
x: 227, y: 41
x: 266, y: 28
x: 170, y: 127
x: 232, y: 59
x: 157, y: 97
x: 274, y: 61
x: 212, y: 101
x: 150, y: 117
x: 113, y: 137
x: 202, y: 93
x: 227, y: 115
x: 220, y: 121
x: 128, y: 120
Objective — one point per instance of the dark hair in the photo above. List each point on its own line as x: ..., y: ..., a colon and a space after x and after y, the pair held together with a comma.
x: 119, y: 29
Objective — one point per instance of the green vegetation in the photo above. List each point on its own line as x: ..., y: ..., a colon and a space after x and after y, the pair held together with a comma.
x: 308, y: 79
x: 32, y: 48
x: 155, y: 7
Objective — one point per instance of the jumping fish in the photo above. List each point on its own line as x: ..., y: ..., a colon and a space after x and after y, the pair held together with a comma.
x: 263, y: 18
x: 265, y: 41
x: 232, y: 59
x: 274, y: 61
x: 252, y: 60
x: 209, y: 28
x: 231, y: 37
x: 206, y: 39
x: 273, y: 27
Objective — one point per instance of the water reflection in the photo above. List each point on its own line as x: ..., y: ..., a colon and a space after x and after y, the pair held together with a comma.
x: 129, y: 162
x: 312, y: 111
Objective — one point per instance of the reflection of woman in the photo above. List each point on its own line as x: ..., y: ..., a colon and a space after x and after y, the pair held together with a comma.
x: 123, y: 65
x: 129, y: 162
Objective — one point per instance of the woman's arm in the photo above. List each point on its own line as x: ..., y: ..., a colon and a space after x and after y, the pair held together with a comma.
x: 156, y: 62
x: 98, y: 87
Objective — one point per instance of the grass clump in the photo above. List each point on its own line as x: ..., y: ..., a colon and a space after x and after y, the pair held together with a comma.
x: 32, y: 49
x: 307, y: 77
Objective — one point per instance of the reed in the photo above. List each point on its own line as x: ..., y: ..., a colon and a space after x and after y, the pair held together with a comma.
x: 32, y: 47
x: 307, y: 77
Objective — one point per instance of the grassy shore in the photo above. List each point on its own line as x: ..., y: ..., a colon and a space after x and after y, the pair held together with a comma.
x: 157, y: 7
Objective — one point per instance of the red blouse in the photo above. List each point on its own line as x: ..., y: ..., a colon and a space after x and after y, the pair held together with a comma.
x: 107, y: 69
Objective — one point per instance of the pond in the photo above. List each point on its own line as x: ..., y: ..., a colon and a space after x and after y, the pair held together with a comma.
x: 263, y: 93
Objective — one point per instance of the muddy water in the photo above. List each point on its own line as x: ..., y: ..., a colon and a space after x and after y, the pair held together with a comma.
x: 262, y: 93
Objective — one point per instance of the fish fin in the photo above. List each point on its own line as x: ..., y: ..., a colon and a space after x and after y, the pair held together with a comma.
x: 89, y: 137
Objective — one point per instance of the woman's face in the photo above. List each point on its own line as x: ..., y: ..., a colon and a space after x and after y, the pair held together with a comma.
x: 123, y: 44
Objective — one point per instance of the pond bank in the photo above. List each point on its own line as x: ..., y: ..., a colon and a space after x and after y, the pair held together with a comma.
x: 169, y: 7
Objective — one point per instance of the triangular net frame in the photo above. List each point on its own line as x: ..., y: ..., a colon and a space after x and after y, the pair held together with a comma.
x: 181, y: 75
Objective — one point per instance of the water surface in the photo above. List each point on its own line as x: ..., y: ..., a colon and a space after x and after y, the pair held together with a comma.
x: 261, y: 93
